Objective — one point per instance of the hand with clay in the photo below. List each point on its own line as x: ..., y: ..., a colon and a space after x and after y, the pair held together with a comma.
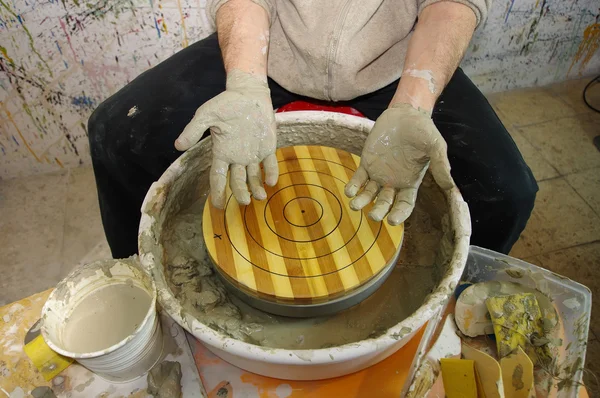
x: 397, y: 152
x: 242, y: 123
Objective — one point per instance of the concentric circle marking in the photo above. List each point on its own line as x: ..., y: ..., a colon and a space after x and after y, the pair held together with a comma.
x: 303, y: 212
x: 274, y: 213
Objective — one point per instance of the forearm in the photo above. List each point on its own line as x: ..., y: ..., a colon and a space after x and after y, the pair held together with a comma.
x: 435, y: 50
x: 243, y: 30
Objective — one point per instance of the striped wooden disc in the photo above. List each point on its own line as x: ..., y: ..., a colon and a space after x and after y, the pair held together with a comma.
x: 303, y: 244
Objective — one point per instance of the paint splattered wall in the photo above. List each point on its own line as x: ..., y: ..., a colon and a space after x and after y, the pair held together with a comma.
x: 535, y: 42
x: 60, y: 58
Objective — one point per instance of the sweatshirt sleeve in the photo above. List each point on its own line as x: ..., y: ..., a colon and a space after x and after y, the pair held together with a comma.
x: 479, y: 7
x: 213, y: 6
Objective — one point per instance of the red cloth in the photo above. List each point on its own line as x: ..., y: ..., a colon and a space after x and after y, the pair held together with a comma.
x: 307, y: 106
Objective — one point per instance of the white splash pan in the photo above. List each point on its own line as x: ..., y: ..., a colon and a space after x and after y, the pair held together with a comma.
x: 187, y: 178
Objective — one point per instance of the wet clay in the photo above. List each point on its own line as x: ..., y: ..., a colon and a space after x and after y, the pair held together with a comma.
x: 191, y: 278
x: 43, y: 392
x: 164, y: 380
x: 105, y: 317
x: 397, y: 152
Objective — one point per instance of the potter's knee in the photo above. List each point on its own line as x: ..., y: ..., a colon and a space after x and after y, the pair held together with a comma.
x: 520, y: 192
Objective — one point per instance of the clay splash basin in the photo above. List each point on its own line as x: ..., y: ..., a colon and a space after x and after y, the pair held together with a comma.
x: 441, y: 255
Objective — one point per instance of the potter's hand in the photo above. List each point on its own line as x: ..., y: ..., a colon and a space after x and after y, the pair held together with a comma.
x: 242, y: 124
x: 403, y: 142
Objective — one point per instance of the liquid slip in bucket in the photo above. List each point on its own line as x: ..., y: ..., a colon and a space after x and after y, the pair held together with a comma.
x: 104, y: 316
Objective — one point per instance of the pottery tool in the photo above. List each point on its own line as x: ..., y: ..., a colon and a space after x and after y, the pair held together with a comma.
x: 447, y: 346
x: 471, y: 312
x: 517, y: 320
x: 302, y: 252
x: 488, y: 372
x: 459, y: 377
x: 517, y: 375
x: 48, y: 362
x: 428, y: 335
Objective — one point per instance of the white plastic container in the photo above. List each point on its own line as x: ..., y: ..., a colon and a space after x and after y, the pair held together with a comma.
x: 573, y: 304
x: 137, y: 352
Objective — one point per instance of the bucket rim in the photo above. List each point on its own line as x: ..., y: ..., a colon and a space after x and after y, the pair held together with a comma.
x: 94, y: 354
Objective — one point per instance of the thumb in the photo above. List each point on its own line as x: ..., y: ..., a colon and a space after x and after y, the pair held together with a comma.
x: 440, y: 165
x: 202, y: 121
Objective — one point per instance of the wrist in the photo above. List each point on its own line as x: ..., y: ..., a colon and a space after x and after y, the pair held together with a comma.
x: 419, y: 92
x: 239, y: 80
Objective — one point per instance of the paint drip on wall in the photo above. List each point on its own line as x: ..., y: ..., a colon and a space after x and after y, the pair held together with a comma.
x: 60, y: 59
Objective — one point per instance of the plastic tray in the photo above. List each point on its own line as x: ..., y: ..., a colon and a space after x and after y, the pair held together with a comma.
x: 572, y: 301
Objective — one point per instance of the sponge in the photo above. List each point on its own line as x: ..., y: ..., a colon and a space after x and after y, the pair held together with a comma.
x: 517, y: 321
x: 48, y: 362
x: 459, y: 377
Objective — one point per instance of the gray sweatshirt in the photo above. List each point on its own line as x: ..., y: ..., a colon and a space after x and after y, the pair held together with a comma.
x: 341, y: 49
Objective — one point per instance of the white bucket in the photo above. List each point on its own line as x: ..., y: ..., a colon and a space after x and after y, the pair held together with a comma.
x: 136, y: 352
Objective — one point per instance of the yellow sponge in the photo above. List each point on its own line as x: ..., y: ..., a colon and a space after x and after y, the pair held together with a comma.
x: 47, y: 361
x: 459, y: 378
x: 517, y: 321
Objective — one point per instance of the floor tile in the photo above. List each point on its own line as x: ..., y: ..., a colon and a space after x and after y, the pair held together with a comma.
x: 83, y: 230
x: 560, y: 219
x: 567, y: 144
x: 523, y: 107
x: 582, y: 264
x: 541, y: 169
x: 571, y: 92
x: 587, y: 185
x: 31, y: 232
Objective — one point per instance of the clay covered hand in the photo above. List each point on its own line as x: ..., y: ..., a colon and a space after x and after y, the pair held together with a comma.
x: 397, y: 152
x: 243, y: 131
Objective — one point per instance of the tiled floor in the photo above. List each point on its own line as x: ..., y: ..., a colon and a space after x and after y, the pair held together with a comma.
x: 51, y: 223
x: 48, y: 224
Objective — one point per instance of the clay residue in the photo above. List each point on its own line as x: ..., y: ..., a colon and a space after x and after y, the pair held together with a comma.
x: 164, y: 380
x: 190, y: 276
x: 43, y: 392
x: 517, y: 378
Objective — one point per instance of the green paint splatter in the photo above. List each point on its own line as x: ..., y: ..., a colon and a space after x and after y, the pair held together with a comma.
x: 11, y: 12
x: 3, y: 51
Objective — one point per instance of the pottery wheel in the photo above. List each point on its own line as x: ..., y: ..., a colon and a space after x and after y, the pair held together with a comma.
x: 302, y: 251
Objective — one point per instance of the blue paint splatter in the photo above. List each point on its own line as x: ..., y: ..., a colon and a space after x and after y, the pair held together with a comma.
x: 155, y: 21
x: 3, y: 151
x: 156, y: 26
x: 20, y: 19
x: 509, y: 10
x: 81, y: 62
x: 66, y: 64
x: 15, y: 140
x: 83, y: 101
x: 58, y: 46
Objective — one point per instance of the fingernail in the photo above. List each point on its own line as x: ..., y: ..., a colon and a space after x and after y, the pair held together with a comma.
x: 260, y: 195
x: 396, y: 219
x: 218, y: 203
x: 357, y: 204
x: 392, y: 221
x: 245, y: 200
x: 375, y: 216
x: 351, y: 190
x: 271, y: 181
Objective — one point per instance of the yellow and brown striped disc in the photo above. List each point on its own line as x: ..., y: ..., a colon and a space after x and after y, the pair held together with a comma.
x: 303, y: 244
